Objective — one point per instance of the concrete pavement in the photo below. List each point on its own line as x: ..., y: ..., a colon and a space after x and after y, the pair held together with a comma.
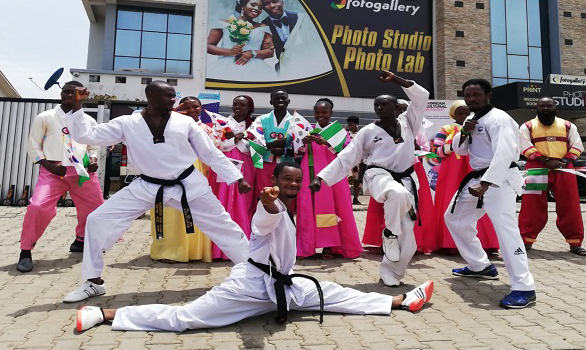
x: 464, y: 313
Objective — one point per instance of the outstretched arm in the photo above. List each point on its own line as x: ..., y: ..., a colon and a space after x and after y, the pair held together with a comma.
x: 268, y: 212
x: 416, y: 93
x: 84, y: 132
x: 341, y: 166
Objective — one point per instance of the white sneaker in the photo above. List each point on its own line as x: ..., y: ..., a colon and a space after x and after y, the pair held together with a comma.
x: 88, y: 316
x: 391, y: 247
x: 86, y: 290
x: 415, y: 299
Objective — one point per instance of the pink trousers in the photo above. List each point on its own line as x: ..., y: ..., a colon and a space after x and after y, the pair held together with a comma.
x: 43, y: 204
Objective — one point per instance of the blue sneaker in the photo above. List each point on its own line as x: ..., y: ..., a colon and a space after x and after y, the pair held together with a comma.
x: 519, y: 299
x: 489, y: 273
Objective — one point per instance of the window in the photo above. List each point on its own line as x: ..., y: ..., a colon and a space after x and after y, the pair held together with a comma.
x: 517, y: 28
x: 157, y: 40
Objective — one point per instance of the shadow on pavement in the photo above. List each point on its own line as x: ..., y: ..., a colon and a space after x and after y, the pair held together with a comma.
x: 43, y: 266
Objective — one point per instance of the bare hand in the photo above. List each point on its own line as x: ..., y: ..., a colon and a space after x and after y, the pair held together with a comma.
x: 236, y: 50
x: 554, y: 164
x: 320, y: 140
x: 269, y: 195
x: 238, y: 137
x: 385, y: 76
x: 478, y: 189
x: 93, y: 167
x: 244, y: 186
x: 246, y: 56
x: 178, y: 109
x: 315, y: 185
x: 80, y: 95
x: 308, y: 139
x: 267, y: 45
x: 469, y: 125
x: 228, y: 135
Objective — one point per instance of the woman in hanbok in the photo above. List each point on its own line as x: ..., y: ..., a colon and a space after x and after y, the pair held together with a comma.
x: 176, y: 245
x: 240, y: 60
x: 241, y: 207
x: 325, y: 218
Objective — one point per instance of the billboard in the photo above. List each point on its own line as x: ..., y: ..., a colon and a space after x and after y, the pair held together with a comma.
x: 319, y: 47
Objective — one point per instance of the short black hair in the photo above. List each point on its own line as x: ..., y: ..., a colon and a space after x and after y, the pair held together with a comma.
x: 484, y: 84
x: 274, y: 92
x: 74, y: 83
x: 353, y: 119
x: 325, y: 100
x: 189, y: 98
x: 283, y: 165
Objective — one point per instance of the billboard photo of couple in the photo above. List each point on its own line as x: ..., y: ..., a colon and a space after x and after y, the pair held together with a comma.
x: 261, y: 41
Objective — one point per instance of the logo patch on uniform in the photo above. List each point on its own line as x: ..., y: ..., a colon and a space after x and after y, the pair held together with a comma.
x: 519, y: 251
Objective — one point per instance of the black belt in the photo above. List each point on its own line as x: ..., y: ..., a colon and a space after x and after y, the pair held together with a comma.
x: 398, y: 177
x: 475, y: 174
x: 281, y: 281
x: 189, y: 227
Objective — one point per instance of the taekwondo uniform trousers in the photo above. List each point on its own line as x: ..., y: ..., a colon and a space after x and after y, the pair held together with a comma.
x: 240, y: 297
x: 107, y: 224
x: 397, y: 200
x: 500, y: 205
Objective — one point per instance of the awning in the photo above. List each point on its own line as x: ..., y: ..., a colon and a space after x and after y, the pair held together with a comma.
x: 520, y: 99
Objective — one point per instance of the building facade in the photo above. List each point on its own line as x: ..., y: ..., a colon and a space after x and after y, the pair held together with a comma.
x: 503, y: 41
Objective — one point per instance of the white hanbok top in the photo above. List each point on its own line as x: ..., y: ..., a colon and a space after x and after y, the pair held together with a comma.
x: 495, y: 144
x: 184, y: 143
x: 48, y: 135
x: 237, y: 127
x: 377, y: 147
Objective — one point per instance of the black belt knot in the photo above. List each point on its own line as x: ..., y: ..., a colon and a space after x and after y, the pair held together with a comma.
x: 281, y: 281
x: 398, y: 177
x: 189, y: 226
x: 474, y: 174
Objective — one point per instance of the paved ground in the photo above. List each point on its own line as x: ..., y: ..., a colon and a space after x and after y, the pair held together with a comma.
x: 464, y: 313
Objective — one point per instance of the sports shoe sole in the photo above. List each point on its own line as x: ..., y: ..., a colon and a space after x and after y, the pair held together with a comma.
x: 483, y: 277
x: 416, y: 305
x: 518, y: 306
x: 79, y: 326
x: 428, y: 291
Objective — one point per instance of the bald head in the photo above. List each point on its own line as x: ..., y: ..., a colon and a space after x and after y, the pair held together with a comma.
x: 156, y: 86
x: 386, y: 106
x: 160, y: 95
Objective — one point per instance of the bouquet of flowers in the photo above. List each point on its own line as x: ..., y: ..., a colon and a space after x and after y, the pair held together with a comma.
x: 239, y: 30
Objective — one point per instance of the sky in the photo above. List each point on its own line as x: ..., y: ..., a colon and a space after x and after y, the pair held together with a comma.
x: 39, y: 36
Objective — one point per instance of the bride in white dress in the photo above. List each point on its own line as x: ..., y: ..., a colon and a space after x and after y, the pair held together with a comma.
x: 238, y: 62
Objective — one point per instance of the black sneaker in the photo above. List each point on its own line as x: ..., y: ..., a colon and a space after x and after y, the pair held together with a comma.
x: 25, y: 264
x: 76, y: 247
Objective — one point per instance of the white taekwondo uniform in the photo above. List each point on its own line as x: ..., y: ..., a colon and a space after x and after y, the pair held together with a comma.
x: 494, y: 145
x: 184, y: 143
x: 378, y: 148
x: 249, y: 292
